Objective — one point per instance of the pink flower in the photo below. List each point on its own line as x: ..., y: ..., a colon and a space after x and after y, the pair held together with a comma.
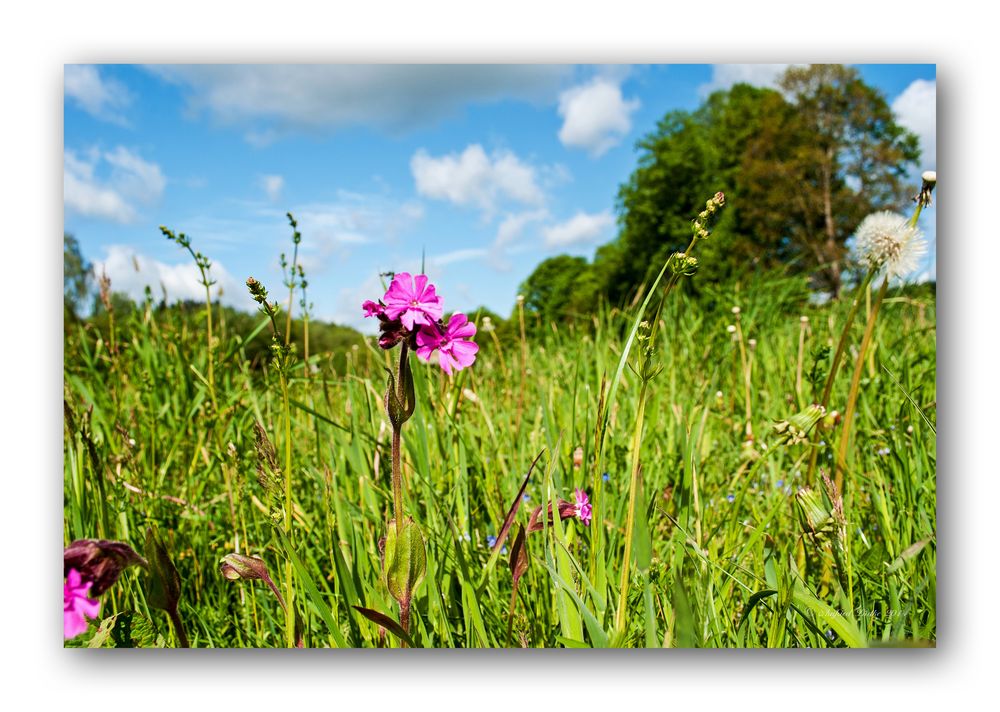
x: 373, y: 308
x: 455, y: 348
x: 583, y: 508
x: 76, y: 605
x: 412, y: 301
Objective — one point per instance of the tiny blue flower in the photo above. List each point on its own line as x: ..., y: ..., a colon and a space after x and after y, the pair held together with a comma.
x: 730, y: 498
x: 491, y: 541
x: 830, y: 634
x: 526, y: 497
x: 780, y: 484
x: 822, y: 443
x: 605, y: 477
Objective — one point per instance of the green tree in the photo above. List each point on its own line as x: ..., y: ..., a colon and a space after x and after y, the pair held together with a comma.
x: 77, y: 275
x: 561, y: 288
x: 849, y: 158
x: 800, y: 167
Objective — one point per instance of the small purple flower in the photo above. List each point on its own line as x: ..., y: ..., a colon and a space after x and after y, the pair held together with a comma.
x: 412, y: 300
x: 455, y: 347
x: 491, y: 540
x: 779, y: 484
x: 76, y: 606
x: 583, y: 508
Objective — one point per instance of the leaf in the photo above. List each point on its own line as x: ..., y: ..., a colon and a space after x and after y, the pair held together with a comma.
x: 519, y: 555
x: 846, y: 629
x: 752, y: 603
x: 386, y: 622
x: 127, y: 629
x: 515, y: 505
x: 317, y: 600
x: 908, y: 554
x: 163, y: 588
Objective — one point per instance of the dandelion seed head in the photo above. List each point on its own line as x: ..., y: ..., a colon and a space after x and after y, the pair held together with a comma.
x: 885, y: 240
x: 731, y: 328
x: 736, y: 310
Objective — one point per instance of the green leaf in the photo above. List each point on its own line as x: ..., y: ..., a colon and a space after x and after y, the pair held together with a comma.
x: 321, y: 606
x: 386, y: 622
x: 163, y: 589
x: 127, y: 629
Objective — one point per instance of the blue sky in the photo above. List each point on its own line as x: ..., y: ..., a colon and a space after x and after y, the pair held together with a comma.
x: 486, y: 170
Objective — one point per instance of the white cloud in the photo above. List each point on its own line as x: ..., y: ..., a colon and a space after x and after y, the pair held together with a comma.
x: 473, y: 178
x: 916, y: 109
x: 127, y: 180
x: 273, y: 100
x: 272, y: 185
x: 595, y: 116
x: 101, y: 97
x: 726, y: 75
x: 582, y: 228
x: 460, y: 255
x: 130, y: 272
x: 334, y: 229
x: 513, y: 225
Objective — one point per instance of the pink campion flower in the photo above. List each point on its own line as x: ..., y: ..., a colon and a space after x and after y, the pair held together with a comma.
x: 373, y: 308
x: 455, y: 348
x: 76, y: 605
x: 583, y: 507
x: 412, y: 301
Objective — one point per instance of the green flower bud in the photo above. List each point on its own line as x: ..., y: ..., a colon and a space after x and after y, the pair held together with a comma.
x: 404, y: 559
x: 248, y: 568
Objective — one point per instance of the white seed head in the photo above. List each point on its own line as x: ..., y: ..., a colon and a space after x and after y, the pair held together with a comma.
x: 886, y: 241
x: 929, y: 176
x: 520, y: 299
x: 736, y: 310
x: 731, y: 328
x: 718, y: 394
x: 752, y: 343
x: 803, y: 319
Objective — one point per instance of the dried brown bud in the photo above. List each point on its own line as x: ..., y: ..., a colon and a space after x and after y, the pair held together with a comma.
x: 100, y: 561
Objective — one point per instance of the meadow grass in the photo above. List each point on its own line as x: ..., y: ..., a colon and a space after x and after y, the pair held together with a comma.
x: 733, y: 545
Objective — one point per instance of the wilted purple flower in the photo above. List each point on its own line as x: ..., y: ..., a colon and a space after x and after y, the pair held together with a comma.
x: 76, y: 605
x: 583, y: 507
x: 455, y: 348
x: 373, y: 308
x: 412, y: 300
